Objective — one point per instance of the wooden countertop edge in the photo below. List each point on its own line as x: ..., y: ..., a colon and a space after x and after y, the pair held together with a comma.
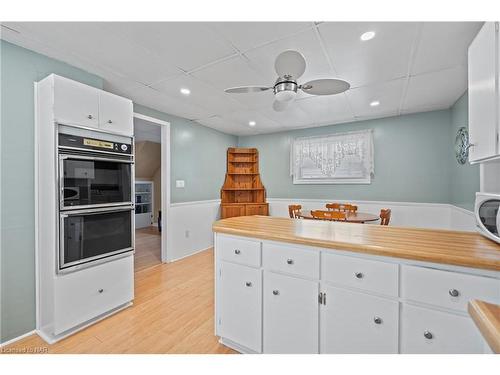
x: 486, y: 316
x: 364, y: 249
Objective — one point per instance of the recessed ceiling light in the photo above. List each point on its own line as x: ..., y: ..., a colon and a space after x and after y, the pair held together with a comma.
x: 185, y: 91
x: 374, y: 103
x: 367, y: 36
x: 252, y: 123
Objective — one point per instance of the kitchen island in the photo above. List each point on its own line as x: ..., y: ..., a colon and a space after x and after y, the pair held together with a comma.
x: 301, y: 286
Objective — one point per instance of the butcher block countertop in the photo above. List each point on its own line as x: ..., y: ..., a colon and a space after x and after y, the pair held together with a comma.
x: 487, y: 319
x: 466, y: 249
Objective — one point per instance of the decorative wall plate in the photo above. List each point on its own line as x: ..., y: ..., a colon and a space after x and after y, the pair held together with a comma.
x: 462, y: 145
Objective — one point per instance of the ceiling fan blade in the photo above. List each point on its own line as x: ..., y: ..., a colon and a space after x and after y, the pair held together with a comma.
x: 246, y: 89
x: 327, y: 86
x: 280, y: 106
x: 290, y: 63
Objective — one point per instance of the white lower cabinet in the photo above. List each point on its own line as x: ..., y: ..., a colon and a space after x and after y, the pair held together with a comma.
x: 426, y: 331
x: 290, y: 314
x: 352, y: 322
x: 240, y: 305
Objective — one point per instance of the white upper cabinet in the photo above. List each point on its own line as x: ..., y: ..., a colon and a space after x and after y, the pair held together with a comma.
x: 75, y: 103
x: 115, y: 113
x: 483, y: 94
x: 79, y: 104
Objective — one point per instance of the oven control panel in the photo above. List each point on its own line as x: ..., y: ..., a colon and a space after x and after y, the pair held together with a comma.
x: 88, y: 143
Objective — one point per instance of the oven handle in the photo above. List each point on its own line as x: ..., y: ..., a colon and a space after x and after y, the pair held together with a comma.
x: 96, y: 158
x: 94, y: 211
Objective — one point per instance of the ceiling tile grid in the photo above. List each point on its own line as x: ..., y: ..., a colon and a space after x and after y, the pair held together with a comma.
x: 407, y: 67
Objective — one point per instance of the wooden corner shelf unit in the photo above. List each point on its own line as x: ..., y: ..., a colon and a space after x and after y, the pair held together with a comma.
x: 243, y: 193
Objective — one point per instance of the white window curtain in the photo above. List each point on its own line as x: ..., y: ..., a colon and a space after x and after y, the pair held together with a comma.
x: 342, y: 158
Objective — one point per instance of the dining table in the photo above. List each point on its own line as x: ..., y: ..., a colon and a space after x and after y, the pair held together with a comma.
x: 350, y: 217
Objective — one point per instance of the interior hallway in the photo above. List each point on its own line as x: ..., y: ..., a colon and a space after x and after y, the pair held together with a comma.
x: 147, y: 248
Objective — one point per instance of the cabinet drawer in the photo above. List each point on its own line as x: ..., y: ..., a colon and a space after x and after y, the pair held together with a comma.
x: 240, y: 305
x: 435, y: 332
x: 447, y: 289
x: 239, y: 250
x: 355, y: 322
x: 86, y: 294
x: 291, y: 260
x: 364, y: 274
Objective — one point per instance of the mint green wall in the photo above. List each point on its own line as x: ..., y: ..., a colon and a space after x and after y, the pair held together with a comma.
x: 411, y: 160
x: 19, y: 69
x: 464, y: 181
x: 198, y: 156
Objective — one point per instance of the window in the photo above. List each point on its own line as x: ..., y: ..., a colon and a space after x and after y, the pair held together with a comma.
x: 341, y: 158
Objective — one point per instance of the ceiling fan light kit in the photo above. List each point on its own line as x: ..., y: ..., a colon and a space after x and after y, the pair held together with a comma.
x: 290, y: 65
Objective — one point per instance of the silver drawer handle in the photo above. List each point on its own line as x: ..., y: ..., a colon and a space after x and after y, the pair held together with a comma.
x: 237, y: 251
x: 276, y: 292
x: 101, y: 290
x: 359, y: 275
x: 453, y: 292
x: 428, y: 335
x: 289, y: 261
x: 90, y: 117
x: 377, y: 320
x: 248, y: 283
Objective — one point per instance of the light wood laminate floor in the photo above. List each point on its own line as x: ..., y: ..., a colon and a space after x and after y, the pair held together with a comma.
x: 173, y: 312
x: 147, y: 248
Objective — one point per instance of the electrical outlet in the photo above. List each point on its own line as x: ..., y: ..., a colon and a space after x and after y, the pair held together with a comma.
x: 187, y: 234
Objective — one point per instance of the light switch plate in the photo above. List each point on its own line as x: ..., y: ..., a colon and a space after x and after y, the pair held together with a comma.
x: 179, y: 183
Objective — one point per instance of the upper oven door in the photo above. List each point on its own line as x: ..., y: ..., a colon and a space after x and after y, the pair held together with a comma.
x: 88, y: 181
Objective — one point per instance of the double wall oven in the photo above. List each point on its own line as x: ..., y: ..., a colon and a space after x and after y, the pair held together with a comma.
x: 96, y: 209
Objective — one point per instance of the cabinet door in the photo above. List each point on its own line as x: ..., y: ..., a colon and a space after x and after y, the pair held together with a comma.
x: 116, y: 114
x: 75, y: 103
x: 426, y: 331
x: 256, y: 209
x: 482, y: 97
x: 290, y: 315
x: 232, y: 211
x: 354, y: 322
x: 239, y: 307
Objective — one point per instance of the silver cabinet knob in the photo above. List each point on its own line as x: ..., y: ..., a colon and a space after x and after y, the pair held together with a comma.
x: 377, y: 320
x: 359, y: 275
x: 101, y: 290
x: 110, y: 122
x: 248, y: 283
x: 276, y: 292
x: 289, y: 261
x: 90, y: 117
x: 453, y: 292
x: 428, y: 335
x: 237, y: 251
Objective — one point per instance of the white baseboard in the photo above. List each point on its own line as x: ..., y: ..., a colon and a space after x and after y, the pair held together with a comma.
x: 11, y: 341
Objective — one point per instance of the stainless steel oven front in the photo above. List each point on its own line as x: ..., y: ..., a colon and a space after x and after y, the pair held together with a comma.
x: 92, y: 236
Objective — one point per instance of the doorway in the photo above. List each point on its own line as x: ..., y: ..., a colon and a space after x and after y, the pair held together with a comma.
x: 151, y: 145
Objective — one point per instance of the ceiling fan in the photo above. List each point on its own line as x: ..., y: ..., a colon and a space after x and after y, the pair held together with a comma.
x: 290, y: 65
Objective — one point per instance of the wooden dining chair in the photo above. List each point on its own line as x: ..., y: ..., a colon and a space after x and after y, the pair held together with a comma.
x: 328, y: 215
x: 294, y: 210
x: 346, y: 207
x: 385, y: 216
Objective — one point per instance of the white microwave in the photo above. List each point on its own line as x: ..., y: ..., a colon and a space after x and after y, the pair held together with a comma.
x: 487, y: 212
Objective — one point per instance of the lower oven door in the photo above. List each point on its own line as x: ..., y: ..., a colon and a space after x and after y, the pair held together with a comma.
x: 92, y: 236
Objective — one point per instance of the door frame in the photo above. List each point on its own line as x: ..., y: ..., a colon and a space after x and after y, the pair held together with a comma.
x: 166, y: 235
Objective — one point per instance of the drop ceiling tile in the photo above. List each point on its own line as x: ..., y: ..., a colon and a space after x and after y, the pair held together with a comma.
x: 293, y: 116
x: 385, y: 57
x: 231, y: 73
x: 247, y: 35
x: 328, y: 109
x: 306, y: 42
x: 242, y: 118
x: 436, y: 89
x: 387, y: 93
x: 214, y: 100
x: 187, y: 45
x: 443, y: 45
x: 224, y: 125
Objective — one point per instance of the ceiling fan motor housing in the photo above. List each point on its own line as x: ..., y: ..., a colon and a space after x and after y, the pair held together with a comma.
x: 285, y: 89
